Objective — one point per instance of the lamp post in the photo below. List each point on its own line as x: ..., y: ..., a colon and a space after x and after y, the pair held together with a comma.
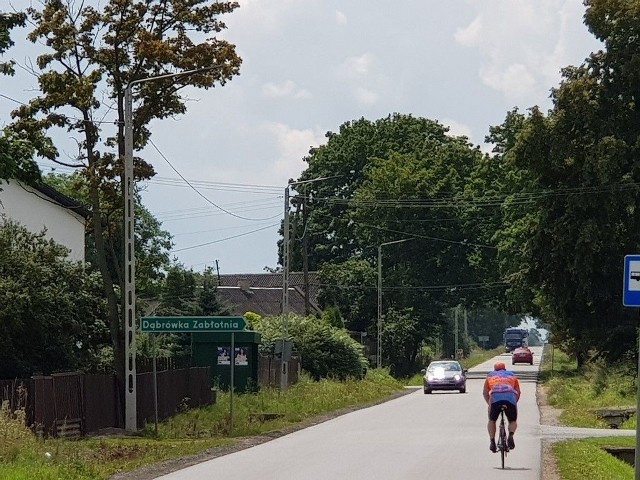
x: 379, y: 353
x: 284, y: 372
x: 129, y: 307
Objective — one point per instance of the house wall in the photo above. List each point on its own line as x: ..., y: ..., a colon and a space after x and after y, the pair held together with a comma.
x: 36, y: 211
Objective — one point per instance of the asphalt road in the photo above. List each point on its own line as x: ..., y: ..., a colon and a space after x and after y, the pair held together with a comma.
x: 439, y: 436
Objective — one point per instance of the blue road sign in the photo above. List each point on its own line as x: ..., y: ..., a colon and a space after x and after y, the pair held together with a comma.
x: 631, y: 292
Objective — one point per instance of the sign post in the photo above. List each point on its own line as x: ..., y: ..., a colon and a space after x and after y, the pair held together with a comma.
x: 631, y: 298
x: 155, y: 325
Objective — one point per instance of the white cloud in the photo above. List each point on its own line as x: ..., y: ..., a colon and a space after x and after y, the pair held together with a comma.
x: 521, y: 44
x: 458, y: 129
x: 341, y: 18
x: 268, y: 15
x: 516, y: 81
x: 357, y: 66
x: 292, y: 146
x: 469, y: 35
x: 286, y: 89
x: 366, y: 97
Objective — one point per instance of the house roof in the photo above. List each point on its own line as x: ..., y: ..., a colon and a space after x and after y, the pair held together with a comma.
x: 62, y: 199
x: 265, y: 301
x: 274, y: 280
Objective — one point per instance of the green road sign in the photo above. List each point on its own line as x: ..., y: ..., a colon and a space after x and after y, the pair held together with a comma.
x: 192, y: 324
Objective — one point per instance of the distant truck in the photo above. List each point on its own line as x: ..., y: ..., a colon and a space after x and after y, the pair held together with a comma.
x: 514, y: 338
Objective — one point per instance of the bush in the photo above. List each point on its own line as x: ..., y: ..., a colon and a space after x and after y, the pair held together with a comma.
x: 326, y: 351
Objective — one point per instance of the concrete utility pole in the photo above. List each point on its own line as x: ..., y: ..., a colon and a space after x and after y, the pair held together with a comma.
x: 286, y: 257
x: 129, y: 294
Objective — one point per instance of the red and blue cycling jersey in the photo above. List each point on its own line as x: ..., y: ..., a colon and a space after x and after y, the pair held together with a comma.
x: 502, y: 385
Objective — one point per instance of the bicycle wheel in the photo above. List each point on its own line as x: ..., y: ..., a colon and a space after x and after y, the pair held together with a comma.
x: 503, y: 441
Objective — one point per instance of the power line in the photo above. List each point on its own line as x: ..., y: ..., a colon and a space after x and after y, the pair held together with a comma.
x: 224, y: 239
x: 199, y: 193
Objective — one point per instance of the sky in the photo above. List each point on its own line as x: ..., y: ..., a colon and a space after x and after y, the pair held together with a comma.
x: 308, y: 67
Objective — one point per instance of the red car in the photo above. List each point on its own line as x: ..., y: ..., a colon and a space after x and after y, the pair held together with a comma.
x: 522, y: 355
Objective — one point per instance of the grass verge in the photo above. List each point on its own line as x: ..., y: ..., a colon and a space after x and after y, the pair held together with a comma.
x: 580, y: 393
x: 25, y: 457
x: 580, y: 459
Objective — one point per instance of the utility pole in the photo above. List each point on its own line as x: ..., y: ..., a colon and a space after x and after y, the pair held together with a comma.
x: 129, y: 287
x: 284, y: 372
x: 455, y: 333
x: 305, y: 256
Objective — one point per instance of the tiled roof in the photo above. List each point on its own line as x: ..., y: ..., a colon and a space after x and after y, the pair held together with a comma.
x: 273, y: 280
x: 261, y: 300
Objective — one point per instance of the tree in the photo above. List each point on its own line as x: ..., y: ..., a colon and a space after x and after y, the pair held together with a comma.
x: 407, y: 180
x: 152, y: 243
x: 93, y: 56
x: 351, y: 288
x: 16, y: 154
x: 51, y: 311
x: 8, y: 21
x: 582, y: 159
x: 326, y: 351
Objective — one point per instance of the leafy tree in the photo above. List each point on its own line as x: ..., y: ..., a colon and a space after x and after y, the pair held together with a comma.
x: 186, y: 293
x: 402, y: 339
x: 351, y: 288
x: 94, y: 53
x: 51, y: 311
x: 581, y: 157
x: 8, y: 21
x: 326, y: 351
x: 399, y: 178
x: 16, y: 154
x: 152, y: 243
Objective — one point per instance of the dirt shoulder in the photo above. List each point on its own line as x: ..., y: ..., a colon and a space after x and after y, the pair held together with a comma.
x: 548, y: 416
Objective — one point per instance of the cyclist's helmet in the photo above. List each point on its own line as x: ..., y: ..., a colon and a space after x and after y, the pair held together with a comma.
x: 499, y: 366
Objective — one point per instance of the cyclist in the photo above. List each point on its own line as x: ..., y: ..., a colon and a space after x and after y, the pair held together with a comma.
x: 501, y: 387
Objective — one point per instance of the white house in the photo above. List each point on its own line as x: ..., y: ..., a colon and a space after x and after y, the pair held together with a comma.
x: 42, y: 207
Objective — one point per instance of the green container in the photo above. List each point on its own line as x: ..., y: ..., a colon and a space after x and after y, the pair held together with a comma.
x: 213, y: 350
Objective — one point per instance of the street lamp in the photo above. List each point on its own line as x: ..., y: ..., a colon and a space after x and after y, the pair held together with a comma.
x: 284, y: 372
x: 129, y: 252
x: 379, y: 353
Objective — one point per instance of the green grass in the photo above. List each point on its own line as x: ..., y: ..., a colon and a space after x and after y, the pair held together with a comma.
x: 22, y: 455
x: 579, y: 393
x: 476, y: 357
x: 580, y: 459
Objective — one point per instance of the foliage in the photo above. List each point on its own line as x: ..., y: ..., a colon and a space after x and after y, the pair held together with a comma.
x: 51, y: 311
x: 94, y: 53
x: 385, y: 182
x: 326, y: 351
x: 8, y: 21
x: 332, y: 317
x: 298, y: 403
x: 401, y: 341
x: 152, y: 243
x: 350, y: 287
x: 573, y: 193
x: 184, y: 293
x: 581, y: 391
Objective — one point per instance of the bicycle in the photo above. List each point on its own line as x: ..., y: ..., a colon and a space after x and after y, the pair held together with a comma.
x: 502, y: 445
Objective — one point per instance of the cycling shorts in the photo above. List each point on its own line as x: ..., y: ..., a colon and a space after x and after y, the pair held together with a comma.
x: 511, y: 411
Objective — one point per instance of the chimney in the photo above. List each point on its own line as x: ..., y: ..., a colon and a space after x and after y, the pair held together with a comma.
x: 244, y: 284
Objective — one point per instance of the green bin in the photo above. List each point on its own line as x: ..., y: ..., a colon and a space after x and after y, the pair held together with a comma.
x: 214, y: 350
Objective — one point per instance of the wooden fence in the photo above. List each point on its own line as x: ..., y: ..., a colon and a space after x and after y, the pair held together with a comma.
x: 73, y: 405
